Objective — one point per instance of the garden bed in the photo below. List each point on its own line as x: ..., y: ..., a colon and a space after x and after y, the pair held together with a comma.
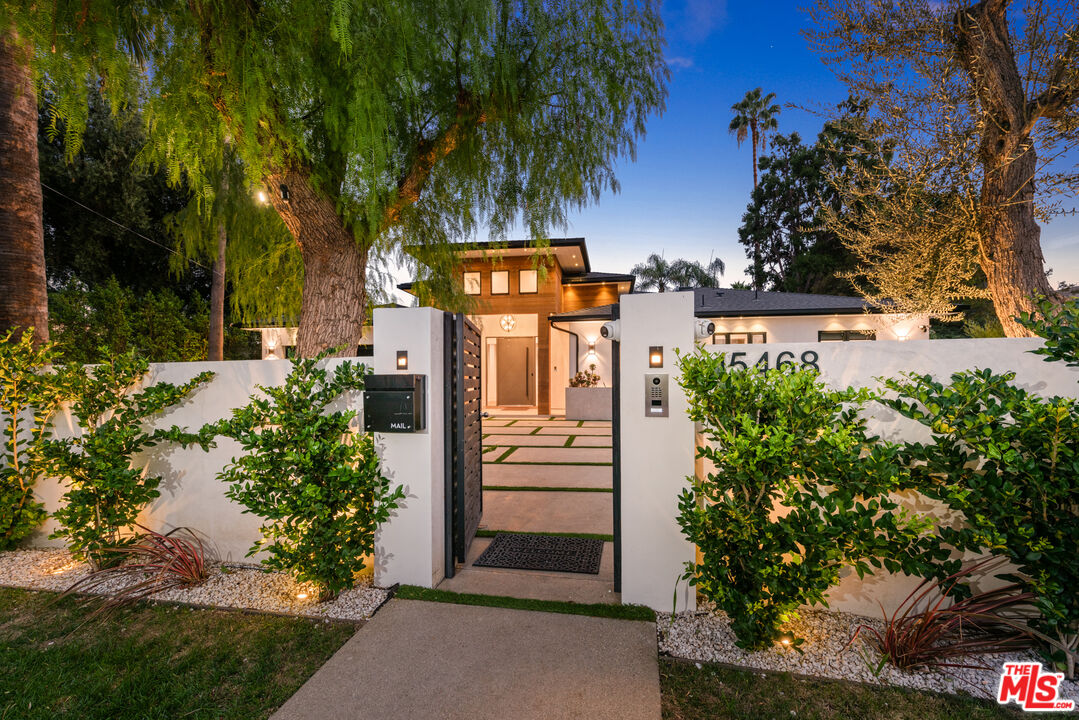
x: 230, y: 585
x: 706, y: 636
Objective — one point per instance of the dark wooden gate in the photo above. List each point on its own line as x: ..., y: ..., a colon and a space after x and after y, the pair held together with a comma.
x: 464, y: 437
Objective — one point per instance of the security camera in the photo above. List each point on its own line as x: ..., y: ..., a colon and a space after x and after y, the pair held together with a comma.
x: 703, y: 329
x: 612, y: 330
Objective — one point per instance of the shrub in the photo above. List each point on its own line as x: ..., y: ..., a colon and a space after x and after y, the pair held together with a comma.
x: 316, y: 484
x: 29, y: 396
x: 798, y: 492
x: 585, y: 378
x: 1059, y: 325
x: 1008, y: 460
x: 105, y: 493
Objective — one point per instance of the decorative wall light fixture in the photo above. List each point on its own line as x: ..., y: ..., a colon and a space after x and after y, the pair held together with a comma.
x: 655, y: 356
x: 402, y: 359
x: 507, y: 323
x: 592, y: 348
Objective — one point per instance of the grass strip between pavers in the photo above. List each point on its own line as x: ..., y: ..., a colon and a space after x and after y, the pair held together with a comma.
x: 504, y: 455
x: 530, y: 488
x: 486, y: 533
x: 617, y: 612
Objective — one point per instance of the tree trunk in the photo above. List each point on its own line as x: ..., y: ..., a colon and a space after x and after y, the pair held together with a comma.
x: 216, y: 343
x: 1010, y: 242
x: 24, y: 302
x: 335, y: 267
x: 1010, y: 239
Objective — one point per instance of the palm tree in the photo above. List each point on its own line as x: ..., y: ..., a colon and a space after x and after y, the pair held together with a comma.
x: 23, y: 298
x: 86, y: 56
x: 754, y: 117
x: 655, y: 272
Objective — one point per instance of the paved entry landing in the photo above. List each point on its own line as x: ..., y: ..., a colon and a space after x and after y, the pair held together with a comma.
x: 432, y: 660
x: 544, y: 475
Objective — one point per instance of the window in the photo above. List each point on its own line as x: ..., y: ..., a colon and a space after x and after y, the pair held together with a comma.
x: 845, y: 335
x: 739, y: 338
x: 528, y: 282
x: 472, y: 283
x: 500, y: 282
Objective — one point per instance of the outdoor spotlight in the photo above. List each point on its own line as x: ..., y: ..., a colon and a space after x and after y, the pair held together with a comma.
x: 262, y: 197
x: 655, y: 356
x: 402, y: 359
x: 284, y: 192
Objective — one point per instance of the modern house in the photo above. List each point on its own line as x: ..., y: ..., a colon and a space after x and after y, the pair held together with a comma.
x: 529, y: 354
x: 539, y: 328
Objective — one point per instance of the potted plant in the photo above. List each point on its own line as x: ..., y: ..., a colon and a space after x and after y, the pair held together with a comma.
x: 585, y: 400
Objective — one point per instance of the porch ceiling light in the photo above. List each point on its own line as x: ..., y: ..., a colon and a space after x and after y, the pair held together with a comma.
x: 402, y: 359
x: 655, y: 356
x: 507, y: 323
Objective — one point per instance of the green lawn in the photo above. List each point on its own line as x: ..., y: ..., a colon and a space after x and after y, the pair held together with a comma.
x: 147, y: 661
x: 720, y: 693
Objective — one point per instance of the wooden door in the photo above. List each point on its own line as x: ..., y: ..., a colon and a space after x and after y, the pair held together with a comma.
x: 516, y: 371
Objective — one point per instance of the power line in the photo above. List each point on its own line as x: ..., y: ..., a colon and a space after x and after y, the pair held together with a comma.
x: 125, y: 227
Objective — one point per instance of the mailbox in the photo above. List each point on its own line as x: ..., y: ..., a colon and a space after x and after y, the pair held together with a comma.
x: 395, y: 403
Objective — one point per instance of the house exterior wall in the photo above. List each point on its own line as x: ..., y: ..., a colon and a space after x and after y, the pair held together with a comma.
x: 590, y: 295
x: 546, y: 301
x: 804, y: 328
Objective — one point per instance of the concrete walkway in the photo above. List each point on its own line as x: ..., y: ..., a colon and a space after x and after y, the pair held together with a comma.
x: 432, y: 660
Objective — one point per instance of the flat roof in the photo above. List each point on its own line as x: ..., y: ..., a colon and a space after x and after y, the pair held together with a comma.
x: 571, y: 253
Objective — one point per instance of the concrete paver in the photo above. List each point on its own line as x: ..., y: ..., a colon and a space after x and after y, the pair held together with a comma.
x: 548, y: 511
x: 560, y: 455
x: 511, y: 430
x: 548, y: 430
x: 457, y: 662
x: 595, y: 476
x: 591, y: 441
x: 523, y: 440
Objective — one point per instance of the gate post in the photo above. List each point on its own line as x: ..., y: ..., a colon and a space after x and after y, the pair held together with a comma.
x: 657, y: 453
x: 409, y: 546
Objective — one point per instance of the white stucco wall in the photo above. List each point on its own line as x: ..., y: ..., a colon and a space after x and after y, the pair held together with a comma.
x: 409, y: 548
x: 657, y: 453
x: 191, y: 494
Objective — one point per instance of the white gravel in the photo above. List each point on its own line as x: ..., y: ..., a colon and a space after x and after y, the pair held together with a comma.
x: 706, y: 636
x: 247, y: 587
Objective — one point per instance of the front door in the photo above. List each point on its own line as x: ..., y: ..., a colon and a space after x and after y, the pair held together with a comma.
x: 516, y: 371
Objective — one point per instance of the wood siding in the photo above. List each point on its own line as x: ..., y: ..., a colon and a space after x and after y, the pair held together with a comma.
x: 545, y: 302
x: 579, y: 297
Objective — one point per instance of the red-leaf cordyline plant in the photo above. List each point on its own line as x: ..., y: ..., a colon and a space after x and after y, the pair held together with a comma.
x: 924, y: 632
x: 152, y: 563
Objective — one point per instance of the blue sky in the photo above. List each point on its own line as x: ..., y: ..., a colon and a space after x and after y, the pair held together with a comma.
x: 685, y: 194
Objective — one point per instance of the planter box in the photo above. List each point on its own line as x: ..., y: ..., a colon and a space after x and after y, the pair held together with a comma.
x: 588, y: 403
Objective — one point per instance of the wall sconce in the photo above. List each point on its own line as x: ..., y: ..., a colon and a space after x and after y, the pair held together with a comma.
x: 402, y: 359
x: 592, y: 348
x: 507, y: 323
x: 284, y: 192
x: 655, y: 356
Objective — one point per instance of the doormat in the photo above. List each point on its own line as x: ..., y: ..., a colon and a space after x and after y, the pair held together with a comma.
x: 542, y: 552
